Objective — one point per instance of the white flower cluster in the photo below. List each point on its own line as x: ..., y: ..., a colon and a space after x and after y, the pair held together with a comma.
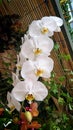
x: 34, y: 62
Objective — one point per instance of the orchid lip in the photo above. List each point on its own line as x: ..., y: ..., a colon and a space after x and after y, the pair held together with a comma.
x: 37, y: 51
x: 44, y: 30
x: 30, y: 97
x: 39, y: 72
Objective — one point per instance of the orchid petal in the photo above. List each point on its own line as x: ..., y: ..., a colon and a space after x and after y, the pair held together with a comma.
x: 13, y: 102
x: 48, y: 22
x: 15, y: 79
x: 28, y: 70
x: 46, y: 64
x: 36, y: 88
x: 27, y: 49
x: 40, y: 92
x: 35, y: 28
x: 58, y: 20
x: 41, y: 67
x: 43, y: 44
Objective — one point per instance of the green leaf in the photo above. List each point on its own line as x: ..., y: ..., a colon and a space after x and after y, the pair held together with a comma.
x: 70, y: 107
x: 0, y: 1
x: 54, y: 88
x: 9, y: 81
x: 7, y: 64
x: 46, y: 83
x: 62, y: 78
x: 65, y: 56
x: 61, y: 100
x: 56, y: 46
x: 69, y: 98
x: 52, y: 74
x: 65, y: 118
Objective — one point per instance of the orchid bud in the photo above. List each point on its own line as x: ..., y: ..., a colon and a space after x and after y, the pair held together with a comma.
x: 28, y: 116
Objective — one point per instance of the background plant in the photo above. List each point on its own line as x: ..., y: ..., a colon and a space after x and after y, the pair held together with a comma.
x: 66, y: 13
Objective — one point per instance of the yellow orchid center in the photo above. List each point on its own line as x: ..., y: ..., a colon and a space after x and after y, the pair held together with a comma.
x: 37, y: 51
x: 44, y: 30
x: 30, y: 97
x: 39, y: 72
x: 19, y: 67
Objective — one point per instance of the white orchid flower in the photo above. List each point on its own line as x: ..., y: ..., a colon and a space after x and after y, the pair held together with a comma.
x: 41, y: 67
x: 24, y: 38
x: 15, y: 79
x: 12, y: 102
x: 36, y: 46
x: 30, y: 89
x: 45, y: 26
x: 59, y: 22
x: 20, y: 61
